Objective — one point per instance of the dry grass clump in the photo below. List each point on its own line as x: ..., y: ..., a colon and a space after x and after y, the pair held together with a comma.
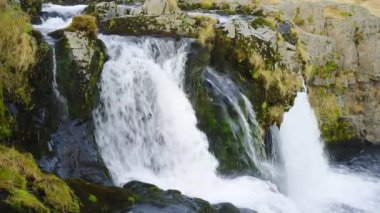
x: 84, y: 23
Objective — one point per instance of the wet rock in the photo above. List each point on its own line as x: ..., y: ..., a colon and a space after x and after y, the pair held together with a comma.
x: 74, y: 154
x: 142, y: 197
x: 33, y: 125
x: 80, y: 60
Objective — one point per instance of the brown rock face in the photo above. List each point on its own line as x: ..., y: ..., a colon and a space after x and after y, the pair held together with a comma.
x: 342, y: 43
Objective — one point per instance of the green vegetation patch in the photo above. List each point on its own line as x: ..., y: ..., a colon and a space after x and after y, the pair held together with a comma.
x: 84, y: 23
x: 30, y: 190
x: 333, y: 126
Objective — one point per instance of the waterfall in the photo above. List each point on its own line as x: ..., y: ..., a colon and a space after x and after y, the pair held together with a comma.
x: 245, y: 126
x: 146, y: 128
x: 307, y: 177
x: 57, y: 17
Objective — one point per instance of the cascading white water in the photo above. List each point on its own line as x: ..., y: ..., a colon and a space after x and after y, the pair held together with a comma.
x: 58, y: 17
x: 308, y: 179
x: 146, y: 130
x: 247, y: 126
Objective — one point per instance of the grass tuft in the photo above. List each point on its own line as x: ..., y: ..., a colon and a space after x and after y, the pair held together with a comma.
x: 84, y: 23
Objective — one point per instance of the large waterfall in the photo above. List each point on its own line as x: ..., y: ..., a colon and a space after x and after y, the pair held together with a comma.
x: 146, y: 127
x: 307, y: 177
x: 146, y: 130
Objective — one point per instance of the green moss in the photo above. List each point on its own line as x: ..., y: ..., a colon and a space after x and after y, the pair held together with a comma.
x: 206, y: 4
x: 81, y: 93
x: 18, y: 55
x: 207, y: 33
x: 333, y: 126
x: 263, y: 21
x: 84, y: 23
x: 56, y: 194
x: 9, y: 179
x: 30, y: 190
x: 107, y: 199
x: 6, y: 121
x: 23, y: 201
x: 297, y: 17
x: 324, y: 72
x: 32, y: 7
x: 310, y: 19
x: 254, y: 61
x: 92, y: 198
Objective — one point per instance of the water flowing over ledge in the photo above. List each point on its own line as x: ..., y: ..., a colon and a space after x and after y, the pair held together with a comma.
x: 146, y: 128
x: 307, y: 177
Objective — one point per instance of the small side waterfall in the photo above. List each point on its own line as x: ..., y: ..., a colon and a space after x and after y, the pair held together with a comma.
x: 146, y: 128
x: 57, y: 17
x: 237, y: 107
x: 307, y: 177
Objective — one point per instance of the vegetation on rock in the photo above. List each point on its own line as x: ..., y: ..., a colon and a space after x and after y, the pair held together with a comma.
x: 84, y: 23
x: 32, y: 7
x: 17, y: 59
x: 333, y: 127
x: 80, y: 58
x: 25, y: 188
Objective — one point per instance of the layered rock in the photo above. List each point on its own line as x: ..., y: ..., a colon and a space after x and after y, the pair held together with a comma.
x: 228, y: 6
x: 155, y: 18
x: 343, y: 67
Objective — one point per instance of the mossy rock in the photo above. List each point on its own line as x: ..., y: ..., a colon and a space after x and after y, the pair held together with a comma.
x: 24, y: 188
x: 178, y: 26
x: 80, y: 61
x: 18, y: 55
x: 254, y: 64
x: 26, y: 106
x: 224, y: 143
x: 334, y: 128
x: 32, y: 7
x: 84, y: 23
x: 98, y: 198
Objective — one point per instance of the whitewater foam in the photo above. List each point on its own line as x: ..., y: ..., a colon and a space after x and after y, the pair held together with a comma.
x: 308, y: 179
x: 146, y: 127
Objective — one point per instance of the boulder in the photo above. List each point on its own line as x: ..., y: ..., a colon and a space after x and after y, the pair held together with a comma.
x: 80, y: 58
x: 73, y: 154
x: 142, y: 197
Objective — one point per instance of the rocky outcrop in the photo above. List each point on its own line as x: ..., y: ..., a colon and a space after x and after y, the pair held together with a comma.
x: 155, y: 18
x: 341, y: 43
x: 73, y: 154
x: 227, y: 6
x: 80, y: 58
x: 142, y: 197
x: 24, y: 188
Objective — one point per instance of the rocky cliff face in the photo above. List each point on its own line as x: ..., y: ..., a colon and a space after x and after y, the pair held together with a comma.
x: 341, y: 44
